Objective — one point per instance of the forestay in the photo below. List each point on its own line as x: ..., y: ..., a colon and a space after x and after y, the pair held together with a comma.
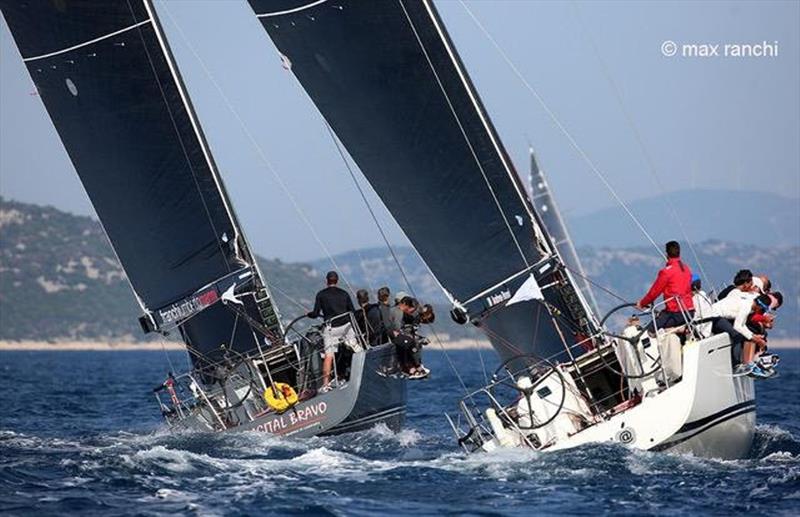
x: 110, y: 85
x: 387, y: 79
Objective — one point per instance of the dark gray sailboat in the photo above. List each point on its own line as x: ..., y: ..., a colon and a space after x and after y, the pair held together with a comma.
x: 387, y: 79
x: 112, y: 88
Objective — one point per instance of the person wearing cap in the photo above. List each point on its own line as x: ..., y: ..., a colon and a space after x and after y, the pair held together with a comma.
x: 333, y: 304
x: 702, y: 306
x: 674, y: 283
x: 399, y: 296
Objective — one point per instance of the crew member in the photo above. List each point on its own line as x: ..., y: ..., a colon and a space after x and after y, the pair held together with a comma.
x: 674, y: 282
x: 400, y: 330
x: 702, y: 307
x: 743, y: 280
x: 731, y: 317
x: 333, y: 304
x: 384, y: 305
x: 369, y: 318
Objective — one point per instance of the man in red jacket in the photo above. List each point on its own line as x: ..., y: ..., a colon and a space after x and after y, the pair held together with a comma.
x: 674, y: 282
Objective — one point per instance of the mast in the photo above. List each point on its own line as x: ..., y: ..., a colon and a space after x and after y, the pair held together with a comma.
x: 107, y: 78
x: 543, y: 200
x: 386, y: 77
x: 268, y: 312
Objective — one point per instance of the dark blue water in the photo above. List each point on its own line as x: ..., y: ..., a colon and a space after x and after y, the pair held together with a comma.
x: 80, y: 434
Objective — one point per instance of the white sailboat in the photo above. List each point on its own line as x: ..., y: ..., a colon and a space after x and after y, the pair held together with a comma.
x: 389, y: 82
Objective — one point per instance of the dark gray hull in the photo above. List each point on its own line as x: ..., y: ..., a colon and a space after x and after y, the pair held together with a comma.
x: 368, y: 399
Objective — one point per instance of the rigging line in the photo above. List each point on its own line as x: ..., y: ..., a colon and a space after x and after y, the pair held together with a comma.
x: 563, y: 129
x: 479, y: 348
x: 164, y: 349
x: 233, y: 330
x: 595, y: 284
x: 256, y: 146
x: 389, y: 246
x: 500, y: 340
x: 651, y: 167
x: 352, y: 175
x: 504, y: 159
x: 272, y: 285
x: 189, y: 164
x: 369, y: 206
x: 190, y: 114
x: 464, y: 134
x: 364, y: 271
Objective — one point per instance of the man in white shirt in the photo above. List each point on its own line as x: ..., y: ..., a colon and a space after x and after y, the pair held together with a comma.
x: 702, y: 307
x: 731, y: 317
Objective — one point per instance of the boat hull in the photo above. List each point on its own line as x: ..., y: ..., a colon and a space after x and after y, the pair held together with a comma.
x: 710, y: 413
x: 367, y: 399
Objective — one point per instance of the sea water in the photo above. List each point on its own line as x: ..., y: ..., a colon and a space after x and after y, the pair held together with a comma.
x: 80, y: 433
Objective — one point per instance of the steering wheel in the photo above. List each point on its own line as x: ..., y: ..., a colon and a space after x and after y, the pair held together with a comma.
x: 538, y: 370
x: 633, y: 340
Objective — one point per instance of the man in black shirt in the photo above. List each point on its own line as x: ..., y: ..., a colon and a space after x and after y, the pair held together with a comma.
x: 368, y: 318
x: 333, y: 304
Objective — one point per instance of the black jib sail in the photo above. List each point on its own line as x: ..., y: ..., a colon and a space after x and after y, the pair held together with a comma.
x: 387, y: 79
x: 110, y: 85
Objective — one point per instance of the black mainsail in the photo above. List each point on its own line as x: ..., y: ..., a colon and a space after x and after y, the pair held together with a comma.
x: 111, y: 87
x: 388, y: 80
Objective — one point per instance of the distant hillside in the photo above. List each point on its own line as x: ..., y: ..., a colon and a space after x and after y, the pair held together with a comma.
x: 627, y: 272
x: 757, y: 218
x: 59, y: 277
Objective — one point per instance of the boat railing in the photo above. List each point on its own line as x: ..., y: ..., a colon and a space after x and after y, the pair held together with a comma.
x: 688, y: 318
x: 295, y: 361
x: 187, y: 397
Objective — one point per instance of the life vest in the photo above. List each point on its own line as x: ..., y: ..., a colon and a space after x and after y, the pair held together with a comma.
x: 285, y: 397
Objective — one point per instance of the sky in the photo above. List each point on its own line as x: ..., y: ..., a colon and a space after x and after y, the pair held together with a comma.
x: 648, y: 122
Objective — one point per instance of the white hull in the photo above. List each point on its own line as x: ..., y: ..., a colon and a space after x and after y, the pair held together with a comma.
x: 709, y: 413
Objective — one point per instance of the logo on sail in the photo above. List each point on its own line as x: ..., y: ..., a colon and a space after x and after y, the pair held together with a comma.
x: 188, y: 307
x: 500, y: 297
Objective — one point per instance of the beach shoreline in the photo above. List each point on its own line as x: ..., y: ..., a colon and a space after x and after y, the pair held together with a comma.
x: 126, y: 346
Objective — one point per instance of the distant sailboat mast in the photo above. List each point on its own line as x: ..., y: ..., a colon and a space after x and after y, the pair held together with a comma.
x: 547, y: 208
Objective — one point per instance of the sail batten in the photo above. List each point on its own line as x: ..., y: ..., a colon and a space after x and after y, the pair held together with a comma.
x: 85, y: 43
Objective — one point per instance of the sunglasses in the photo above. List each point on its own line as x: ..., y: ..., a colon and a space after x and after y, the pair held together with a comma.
x: 763, y: 305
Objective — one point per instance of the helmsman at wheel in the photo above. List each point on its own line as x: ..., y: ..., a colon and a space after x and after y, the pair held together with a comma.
x: 335, y: 305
